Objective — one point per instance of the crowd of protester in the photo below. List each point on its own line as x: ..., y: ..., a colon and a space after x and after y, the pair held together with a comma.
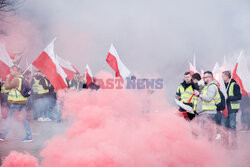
x: 210, y: 106
x: 40, y: 105
x: 202, y: 99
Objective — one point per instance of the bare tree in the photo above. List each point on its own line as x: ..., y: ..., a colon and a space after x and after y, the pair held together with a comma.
x: 7, y: 6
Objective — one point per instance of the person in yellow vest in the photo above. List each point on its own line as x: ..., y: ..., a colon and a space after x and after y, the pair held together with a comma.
x: 233, y: 104
x: 196, y: 77
x: 16, y: 101
x: 207, y: 101
x: 75, y: 83
x: 40, y: 93
x: 184, y: 94
x: 28, y: 76
x: 4, y: 101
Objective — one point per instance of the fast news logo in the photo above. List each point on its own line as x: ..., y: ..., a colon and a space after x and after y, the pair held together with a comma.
x: 118, y: 83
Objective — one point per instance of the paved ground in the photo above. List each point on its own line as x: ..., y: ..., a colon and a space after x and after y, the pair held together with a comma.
x: 41, y: 132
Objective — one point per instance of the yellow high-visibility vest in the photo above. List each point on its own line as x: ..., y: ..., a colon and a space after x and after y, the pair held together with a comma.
x: 210, y: 106
x: 15, y: 95
x: 235, y: 105
x: 195, y: 103
x: 3, y: 90
x: 186, y: 94
x: 38, y: 89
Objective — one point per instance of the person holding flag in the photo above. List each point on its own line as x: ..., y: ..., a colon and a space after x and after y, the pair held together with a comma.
x: 16, y: 101
x: 75, y: 83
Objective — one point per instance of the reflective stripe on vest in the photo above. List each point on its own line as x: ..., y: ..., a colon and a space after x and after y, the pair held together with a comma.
x: 35, y: 85
x: 186, y: 94
x: 195, y: 103
x: 3, y: 90
x: 77, y: 86
x: 210, y: 106
x: 70, y: 83
x: 37, y: 88
x: 235, y: 105
x: 15, y: 95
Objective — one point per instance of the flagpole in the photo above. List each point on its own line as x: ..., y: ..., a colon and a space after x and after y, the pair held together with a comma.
x: 27, y: 68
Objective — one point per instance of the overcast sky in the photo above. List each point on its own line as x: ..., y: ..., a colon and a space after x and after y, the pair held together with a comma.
x: 151, y: 36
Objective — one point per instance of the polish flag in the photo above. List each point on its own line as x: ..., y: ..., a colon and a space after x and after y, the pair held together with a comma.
x: 241, y: 74
x: 217, y: 73
x: 12, y: 56
x: 74, y: 68
x: 116, y: 64
x: 5, y: 62
x: 15, y: 58
x: 66, y: 66
x: 218, y: 78
x: 192, y: 69
x: 88, y: 74
x: 50, y: 67
x: 202, y: 73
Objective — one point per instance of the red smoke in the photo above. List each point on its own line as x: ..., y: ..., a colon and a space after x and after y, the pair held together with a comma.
x: 109, y: 129
x: 16, y: 159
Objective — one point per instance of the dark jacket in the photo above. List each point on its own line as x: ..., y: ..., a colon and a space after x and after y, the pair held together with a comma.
x: 195, y: 86
x: 44, y: 85
x: 236, y: 97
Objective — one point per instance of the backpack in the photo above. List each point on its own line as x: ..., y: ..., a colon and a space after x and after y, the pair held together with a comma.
x: 222, y: 105
x: 25, y: 88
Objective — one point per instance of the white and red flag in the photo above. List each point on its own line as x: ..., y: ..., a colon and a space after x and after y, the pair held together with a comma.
x: 192, y: 69
x: 67, y: 67
x: 241, y: 74
x: 217, y: 73
x: 49, y: 66
x: 89, y: 75
x: 12, y: 55
x: 5, y: 62
x: 116, y: 64
x: 15, y: 58
x: 74, y: 68
x: 202, y: 73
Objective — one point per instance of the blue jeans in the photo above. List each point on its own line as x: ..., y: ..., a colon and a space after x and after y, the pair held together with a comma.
x: 41, y: 107
x: 230, y: 121
x: 13, y: 109
x: 218, y: 117
x: 54, y: 110
x: 206, y: 122
x: 205, y: 119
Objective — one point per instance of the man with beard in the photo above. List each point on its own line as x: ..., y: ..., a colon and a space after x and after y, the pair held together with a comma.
x: 207, y: 104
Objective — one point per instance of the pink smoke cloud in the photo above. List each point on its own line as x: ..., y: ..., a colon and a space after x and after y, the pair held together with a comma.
x: 15, y: 159
x: 109, y: 129
x: 22, y: 38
